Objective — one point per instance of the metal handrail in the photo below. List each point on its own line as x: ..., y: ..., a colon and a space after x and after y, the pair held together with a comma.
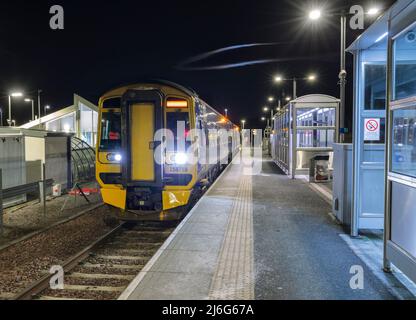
x: 39, y: 187
x: 23, y: 189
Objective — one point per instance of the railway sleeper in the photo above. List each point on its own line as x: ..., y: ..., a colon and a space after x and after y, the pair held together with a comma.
x: 69, y: 287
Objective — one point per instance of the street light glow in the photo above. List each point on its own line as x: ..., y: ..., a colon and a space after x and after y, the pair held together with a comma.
x: 312, y: 77
x: 28, y: 100
x: 278, y: 79
x: 16, y: 94
x: 373, y: 11
x: 315, y: 14
x: 265, y: 109
x: 271, y: 99
x: 288, y: 98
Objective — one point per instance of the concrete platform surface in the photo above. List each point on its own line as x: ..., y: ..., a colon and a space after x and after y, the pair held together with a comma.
x: 256, y: 237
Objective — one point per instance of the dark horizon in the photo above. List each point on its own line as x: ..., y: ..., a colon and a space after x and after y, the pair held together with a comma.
x: 107, y: 44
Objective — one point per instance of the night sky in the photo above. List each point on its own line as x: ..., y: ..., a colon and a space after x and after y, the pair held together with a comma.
x: 110, y: 43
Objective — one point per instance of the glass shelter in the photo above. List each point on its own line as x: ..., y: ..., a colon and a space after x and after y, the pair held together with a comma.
x: 313, y: 132
x: 385, y: 134
x: 80, y: 119
x: 401, y: 169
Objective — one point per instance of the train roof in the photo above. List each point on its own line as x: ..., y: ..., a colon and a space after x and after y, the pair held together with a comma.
x: 186, y: 90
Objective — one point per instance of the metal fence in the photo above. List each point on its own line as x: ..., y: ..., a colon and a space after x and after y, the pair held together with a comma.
x: 35, y: 187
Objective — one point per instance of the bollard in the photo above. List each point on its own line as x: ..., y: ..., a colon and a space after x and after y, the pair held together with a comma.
x: 1, y: 203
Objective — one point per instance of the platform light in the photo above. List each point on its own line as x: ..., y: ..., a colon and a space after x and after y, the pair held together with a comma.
x: 315, y: 14
x: 278, y: 79
x: 263, y: 119
x: 288, y: 99
x: 16, y: 94
x: 67, y: 128
x: 271, y: 99
x: 373, y: 11
x: 312, y: 77
x: 265, y: 109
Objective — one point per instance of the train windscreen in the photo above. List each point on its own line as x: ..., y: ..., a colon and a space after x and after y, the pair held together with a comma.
x: 111, y: 131
x: 178, y: 123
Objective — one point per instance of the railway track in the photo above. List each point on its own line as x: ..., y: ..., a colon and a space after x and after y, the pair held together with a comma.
x: 103, y: 270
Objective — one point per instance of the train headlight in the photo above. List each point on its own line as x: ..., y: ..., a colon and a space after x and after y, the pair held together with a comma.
x: 114, y: 157
x: 180, y: 158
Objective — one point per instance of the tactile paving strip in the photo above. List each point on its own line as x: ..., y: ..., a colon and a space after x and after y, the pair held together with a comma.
x: 234, y: 275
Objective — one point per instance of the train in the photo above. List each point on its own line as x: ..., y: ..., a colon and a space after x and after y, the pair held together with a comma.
x: 159, y: 148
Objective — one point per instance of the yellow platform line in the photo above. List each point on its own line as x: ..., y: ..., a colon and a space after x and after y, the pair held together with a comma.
x: 234, y: 275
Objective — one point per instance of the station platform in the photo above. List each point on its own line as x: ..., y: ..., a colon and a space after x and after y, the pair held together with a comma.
x: 259, y: 237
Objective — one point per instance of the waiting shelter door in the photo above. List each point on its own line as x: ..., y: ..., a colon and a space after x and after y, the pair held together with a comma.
x: 369, y: 139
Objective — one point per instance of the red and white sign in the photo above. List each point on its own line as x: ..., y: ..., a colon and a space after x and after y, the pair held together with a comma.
x: 372, y: 129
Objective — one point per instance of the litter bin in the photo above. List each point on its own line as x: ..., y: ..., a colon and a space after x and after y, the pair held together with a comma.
x: 319, y: 169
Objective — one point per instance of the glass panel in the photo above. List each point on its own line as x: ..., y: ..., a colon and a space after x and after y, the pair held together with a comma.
x: 404, y: 143
x: 88, y: 125
x: 112, y: 103
x: 405, y: 65
x: 315, y: 138
x: 318, y: 117
x: 375, y: 87
x: 111, y: 131
x: 178, y: 123
x: 65, y: 124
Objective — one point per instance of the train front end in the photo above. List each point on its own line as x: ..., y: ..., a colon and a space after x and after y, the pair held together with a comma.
x: 143, y: 153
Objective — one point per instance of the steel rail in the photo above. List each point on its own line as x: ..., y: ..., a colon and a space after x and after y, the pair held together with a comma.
x: 34, y: 289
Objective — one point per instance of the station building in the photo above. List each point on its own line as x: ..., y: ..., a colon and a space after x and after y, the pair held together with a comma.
x: 81, y: 119
x: 61, y: 143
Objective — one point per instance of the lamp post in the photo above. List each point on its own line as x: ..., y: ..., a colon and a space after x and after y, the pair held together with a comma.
x: 279, y: 79
x: 12, y: 95
x: 45, y: 108
x: 243, y: 124
x: 33, y: 107
x: 315, y: 15
x: 39, y: 93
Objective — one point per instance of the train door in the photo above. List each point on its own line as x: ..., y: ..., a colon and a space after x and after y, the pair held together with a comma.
x: 142, y: 117
x: 142, y: 127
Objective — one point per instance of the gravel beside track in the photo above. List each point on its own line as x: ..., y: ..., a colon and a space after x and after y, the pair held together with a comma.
x: 29, y: 260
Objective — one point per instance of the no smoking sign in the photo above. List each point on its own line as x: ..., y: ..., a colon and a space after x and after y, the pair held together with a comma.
x: 372, y: 129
